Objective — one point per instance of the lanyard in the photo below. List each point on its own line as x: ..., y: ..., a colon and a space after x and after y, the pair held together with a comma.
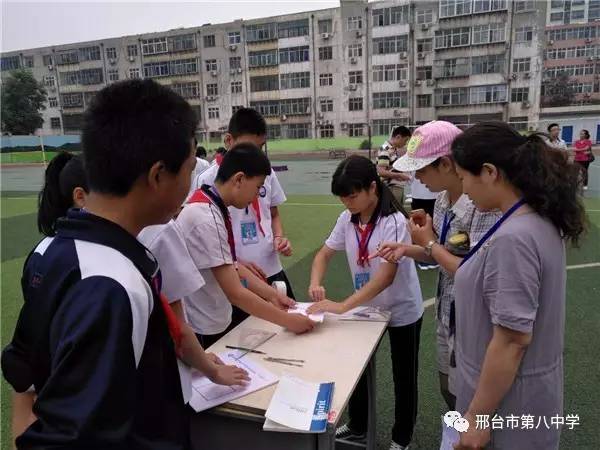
x: 492, y: 230
x: 172, y: 321
x: 363, y: 242
x: 446, y: 226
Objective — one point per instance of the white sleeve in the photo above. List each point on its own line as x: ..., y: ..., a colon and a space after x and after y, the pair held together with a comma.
x: 395, y: 229
x: 180, y: 277
x: 277, y: 195
x: 206, y: 239
x: 337, y: 238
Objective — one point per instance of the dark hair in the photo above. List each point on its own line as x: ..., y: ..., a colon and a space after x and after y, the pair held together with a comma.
x: 221, y: 150
x: 549, y: 184
x: 552, y: 125
x: 246, y: 158
x: 200, y: 152
x: 130, y: 126
x: 356, y: 173
x: 587, y: 133
x: 247, y: 121
x: 402, y: 131
x: 64, y: 173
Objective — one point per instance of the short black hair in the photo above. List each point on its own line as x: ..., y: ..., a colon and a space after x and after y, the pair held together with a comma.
x: 552, y: 125
x: 246, y: 158
x: 200, y: 152
x: 587, y: 133
x: 402, y: 131
x: 130, y: 126
x: 247, y: 121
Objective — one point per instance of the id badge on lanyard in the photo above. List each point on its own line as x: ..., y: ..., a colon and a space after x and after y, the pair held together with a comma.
x: 249, y: 232
x: 360, y: 279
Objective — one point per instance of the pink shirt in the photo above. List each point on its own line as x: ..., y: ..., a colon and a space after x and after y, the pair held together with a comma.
x: 581, y: 149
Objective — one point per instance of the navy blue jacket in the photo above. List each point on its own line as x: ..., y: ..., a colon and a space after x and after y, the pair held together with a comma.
x: 92, y: 339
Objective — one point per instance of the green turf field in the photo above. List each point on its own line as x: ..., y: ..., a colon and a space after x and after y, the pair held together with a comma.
x: 308, y: 219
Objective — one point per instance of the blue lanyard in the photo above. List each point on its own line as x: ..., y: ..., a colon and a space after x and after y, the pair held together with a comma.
x: 492, y: 230
x: 446, y: 226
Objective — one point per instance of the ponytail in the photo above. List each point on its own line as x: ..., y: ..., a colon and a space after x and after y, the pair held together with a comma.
x: 63, y: 174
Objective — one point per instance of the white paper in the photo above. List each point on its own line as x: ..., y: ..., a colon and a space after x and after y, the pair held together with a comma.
x: 206, y: 394
x: 293, y: 403
x: 301, y: 308
x: 185, y: 377
x: 367, y: 313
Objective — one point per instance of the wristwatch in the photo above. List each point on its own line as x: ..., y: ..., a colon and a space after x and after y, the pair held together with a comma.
x: 428, y: 247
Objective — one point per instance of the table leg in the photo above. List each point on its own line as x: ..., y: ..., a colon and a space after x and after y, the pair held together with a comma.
x: 372, y: 420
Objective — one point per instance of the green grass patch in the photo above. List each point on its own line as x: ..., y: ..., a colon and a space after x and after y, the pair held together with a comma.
x: 26, y: 157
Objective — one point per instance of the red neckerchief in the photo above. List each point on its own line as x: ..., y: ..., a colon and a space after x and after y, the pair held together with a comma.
x: 172, y: 320
x: 204, y: 195
x: 255, y: 204
x: 363, y: 242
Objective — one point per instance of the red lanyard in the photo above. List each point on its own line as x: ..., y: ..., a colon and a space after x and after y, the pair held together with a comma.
x: 363, y: 242
x: 172, y: 320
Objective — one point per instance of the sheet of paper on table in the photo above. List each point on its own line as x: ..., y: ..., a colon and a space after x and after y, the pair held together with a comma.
x: 366, y: 313
x: 301, y: 308
x: 206, y: 394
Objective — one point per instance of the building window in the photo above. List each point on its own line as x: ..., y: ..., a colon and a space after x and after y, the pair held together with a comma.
x: 91, y: 76
x: 354, y: 23
x: 74, y: 100
x: 236, y: 108
x: 236, y: 87
x: 49, y: 81
x: 355, y: 104
x: 47, y: 60
x: 68, y: 57
x: 425, y: 16
x: 183, y: 42
x: 390, y: 16
x: 577, y: 14
x: 211, y: 65
x: 187, y: 90
x: 268, y: 108
x: 183, y: 66
x: 261, y: 32
x: 326, y: 105
x: 573, y: 71
x: 93, y: 53
x: 111, y: 53
x: 325, y: 26
x: 424, y: 73
x: 454, y: 67
x: 325, y: 53
x: 385, y: 100
x: 449, y: 8
x: 213, y: 112
x: 456, y: 37
x: 522, y: 65
x: 524, y: 34
x: 298, y: 131
x: 326, y: 79
x: 273, y: 131
x: 69, y: 78
x: 235, y: 62
x: 519, y: 94
x: 293, y: 28
x: 355, y: 129
x: 524, y: 5
x: 390, y: 72
x: 356, y: 77
x: 132, y: 50
x: 28, y: 61
x: 55, y: 123
x: 565, y: 34
x: 488, y: 94
x: 295, y: 106
x: 593, y: 14
x: 326, y: 131
x: 52, y: 102
x: 235, y: 37
x: 264, y: 83
x: 487, y: 34
x: 383, y: 127
x: 451, y: 96
x: 424, y: 101
x: 212, y: 89
x: 355, y: 50
x: 390, y: 44
x: 487, y: 64
x: 134, y: 73
x: 263, y: 58
x: 424, y: 45
x: 480, y: 6
x: 154, y: 46
x: 113, y: 75
x: 294, y: 80
x: 293, y: 54
x: 209, y: 40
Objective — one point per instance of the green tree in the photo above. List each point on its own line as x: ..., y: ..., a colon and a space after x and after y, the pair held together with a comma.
x: 23, y: 99
x: 558, y: 91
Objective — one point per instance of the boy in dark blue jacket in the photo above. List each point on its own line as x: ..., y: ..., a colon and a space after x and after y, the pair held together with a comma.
x: 93, y: 338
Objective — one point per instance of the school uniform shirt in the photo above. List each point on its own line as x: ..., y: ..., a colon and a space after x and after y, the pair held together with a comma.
x: 205, y: 235
x: 517, y: 280
x: 386, y: 157
x: 251, y: 243
x: 92, y: 338
x: 419, y: 191
x: 403, y: 297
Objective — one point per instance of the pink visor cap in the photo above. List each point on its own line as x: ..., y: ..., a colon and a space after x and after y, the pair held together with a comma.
x: 428, y: 143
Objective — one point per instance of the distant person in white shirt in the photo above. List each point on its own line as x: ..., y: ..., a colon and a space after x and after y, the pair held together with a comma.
x: 554, y: 137
x: 389, y: 152
x: 201, y: 163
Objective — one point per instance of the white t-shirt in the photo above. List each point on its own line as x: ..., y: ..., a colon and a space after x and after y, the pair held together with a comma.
x: 403, y: 298
x: 250, y: 243
x: 179, y: 276
x: 201, y: 166
x: 419, y: 191
x: 205, y: 236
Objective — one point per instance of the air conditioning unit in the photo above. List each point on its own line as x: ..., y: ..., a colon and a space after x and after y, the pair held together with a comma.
x: 213, y: 73
x: 403, y: 55
x: 514, y: 76
x: 344, y: 126
x: 353, y: 60
x: 320, y: 115
x: 550, y: 42
x: 421, y: 55
x: 527, y: 74
x: 112, y: 61
x: 210, y: 98
x: 402, y: 83
x: 526, y: 104
x: 358, y: 33
x: 398, y: 113
x: 319, y: 123
x: 591, y: 58
x: 50, y: 67
x: 589, y: 40
x: 325, y: 35
x: 352, y: 87
x: 283, y: 117
x: 131, y: 58
x: 424, y: 26
x: 239, y: 70
x: 233, y: 47
x: 430, y: 82
x: 418, y: 82
x: 232, y: 72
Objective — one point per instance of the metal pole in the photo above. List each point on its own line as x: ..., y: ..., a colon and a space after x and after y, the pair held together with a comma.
x: 369, y: 131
